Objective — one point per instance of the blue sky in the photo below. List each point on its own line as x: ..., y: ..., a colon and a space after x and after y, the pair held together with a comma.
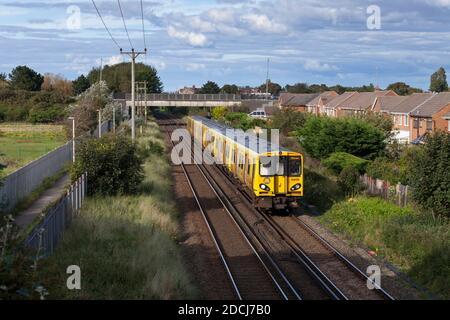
x: 228, y: 41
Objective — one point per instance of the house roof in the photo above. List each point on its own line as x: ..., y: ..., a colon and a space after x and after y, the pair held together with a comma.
x: 296, y: 99
x: 326, y: 97
x: 339, y: 99
x: 388, y: 104
x: 432, y: 105
x: 362, y: 100
x: 411, y: 102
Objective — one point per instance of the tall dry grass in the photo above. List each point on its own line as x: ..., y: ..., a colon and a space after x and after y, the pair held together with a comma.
x: 126, y: 245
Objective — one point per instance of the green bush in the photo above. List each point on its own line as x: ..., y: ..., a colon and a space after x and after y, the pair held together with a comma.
x: 47, y: 114
x: 112, y: 164
x: 338, y: 161
x: 416, y: 242
x: 349, y: 181
x: 288, y: 120
x: 321, y: 136
x: 219, y: 113
x: 430, y: 174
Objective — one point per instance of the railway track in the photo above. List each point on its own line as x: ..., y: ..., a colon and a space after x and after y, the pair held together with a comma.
x: 311, y: 282
x: 252, y: 272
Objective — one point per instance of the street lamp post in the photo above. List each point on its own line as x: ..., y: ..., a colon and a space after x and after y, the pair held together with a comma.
x: 99, y: 123
x: 73, y: 138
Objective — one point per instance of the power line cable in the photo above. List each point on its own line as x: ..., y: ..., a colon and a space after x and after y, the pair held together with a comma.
x: 124, y: 24
x: 104, y: 24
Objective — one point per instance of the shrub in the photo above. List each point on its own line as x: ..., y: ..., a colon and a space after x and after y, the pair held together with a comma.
x: 219, y: 113
x: 321, y: 136
x: 349, y: 181
x: 112, y: 164
x: 46, y: 114
x: 338, y: 161
x: 288, y: 120
x: 430, y: 174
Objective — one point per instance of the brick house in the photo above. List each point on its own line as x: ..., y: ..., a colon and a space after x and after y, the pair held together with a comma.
x: 296, y: 101
x: 430, y: 116
x: 330, y: 108
x: 399, y: 109
x: 360, y: 102
x: 447, y: 117
x: 319, y: 102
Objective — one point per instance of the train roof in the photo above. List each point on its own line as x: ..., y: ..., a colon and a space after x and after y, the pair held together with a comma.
x: 249, y: 141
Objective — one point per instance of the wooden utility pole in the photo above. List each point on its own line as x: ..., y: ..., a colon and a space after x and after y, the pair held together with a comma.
x: 133, y: 55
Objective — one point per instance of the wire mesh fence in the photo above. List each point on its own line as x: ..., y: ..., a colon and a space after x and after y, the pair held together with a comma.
x: 45, y: 237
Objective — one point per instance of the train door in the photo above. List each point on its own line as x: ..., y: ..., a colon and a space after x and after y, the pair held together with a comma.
x: 281, y: 179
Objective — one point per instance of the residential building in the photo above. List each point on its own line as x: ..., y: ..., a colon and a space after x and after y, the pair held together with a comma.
x: 319, y: 102
x: 399, y: 109
x: 447, y: 117
x: 360, y: 102
x: 430, y: 116
x: 296, y: 101
x: 188, y: 90
x: 330, y: 108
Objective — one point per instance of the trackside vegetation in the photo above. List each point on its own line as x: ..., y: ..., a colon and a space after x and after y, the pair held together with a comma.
x: 125, y: 244
x: 416, y: 242
x: 338, y: 151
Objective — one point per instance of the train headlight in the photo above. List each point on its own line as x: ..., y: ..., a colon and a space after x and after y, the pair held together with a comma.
x: 296, y: 187
x: 264, y: 187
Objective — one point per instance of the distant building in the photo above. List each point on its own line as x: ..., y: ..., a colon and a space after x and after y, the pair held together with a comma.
x: 318, y: 103
x: 188, y: 90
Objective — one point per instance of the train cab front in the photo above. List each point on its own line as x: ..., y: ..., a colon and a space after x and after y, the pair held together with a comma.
x: 279, y: 183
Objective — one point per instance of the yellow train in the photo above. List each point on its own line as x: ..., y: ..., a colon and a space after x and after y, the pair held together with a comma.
x: 273, y: 175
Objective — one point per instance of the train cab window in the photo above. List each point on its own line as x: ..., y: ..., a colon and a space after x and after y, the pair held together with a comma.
x: 272, y: 166
x: 295, y: 168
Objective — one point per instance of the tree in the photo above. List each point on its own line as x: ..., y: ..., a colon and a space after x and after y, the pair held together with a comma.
x: 85, y: 110
x: 430, y: 174
x: 230, y: 89
x: 25, y: 78
x: 57, y: 83
x: 321, y: 136
x: 118, y: 77
x: 81, y: 84
x: 3, y: 76
x: 402, y: 89
x: 274, y: 88
x: 210, y: 87
x: 112, y: 163
x: 438, y: 81
x: 287, y: 120
x: 298, y: 88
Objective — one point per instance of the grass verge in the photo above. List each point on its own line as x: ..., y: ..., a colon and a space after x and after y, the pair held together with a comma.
x: 22, y: 143
x: 125, y: 245
x: 418, y: 243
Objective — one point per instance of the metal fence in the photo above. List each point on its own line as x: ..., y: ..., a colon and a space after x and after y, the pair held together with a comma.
x: 45, y: 237
x: 22, y: 182
x: 398, y: 193
x: 182, y: 97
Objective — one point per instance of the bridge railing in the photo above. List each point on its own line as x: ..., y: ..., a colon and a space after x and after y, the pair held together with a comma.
x: 181, y: 97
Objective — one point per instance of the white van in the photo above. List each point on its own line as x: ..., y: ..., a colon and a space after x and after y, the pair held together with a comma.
x: 258, y: 114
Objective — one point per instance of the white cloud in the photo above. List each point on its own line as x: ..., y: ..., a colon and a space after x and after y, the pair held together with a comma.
x: 315, y: 65
x: 194, y: 67
x: 261, y: 22
x: 110, y: 61
x: 192, y: 38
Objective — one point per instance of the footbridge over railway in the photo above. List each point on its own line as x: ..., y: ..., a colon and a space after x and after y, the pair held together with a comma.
x: 181, y: 100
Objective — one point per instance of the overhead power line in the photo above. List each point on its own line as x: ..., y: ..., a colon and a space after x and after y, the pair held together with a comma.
x: 143, y: 25
x: 104, y: 24
x: 124, y: 24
